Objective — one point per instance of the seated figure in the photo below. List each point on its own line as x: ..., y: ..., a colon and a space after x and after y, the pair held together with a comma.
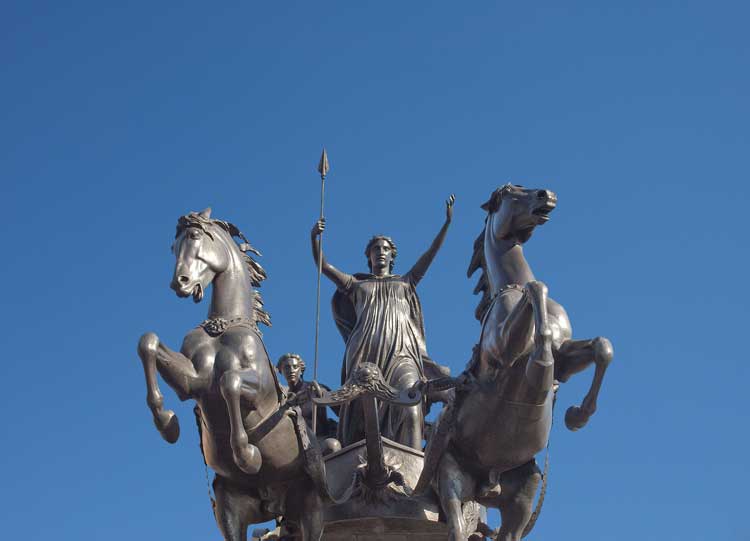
x: 292, y: 366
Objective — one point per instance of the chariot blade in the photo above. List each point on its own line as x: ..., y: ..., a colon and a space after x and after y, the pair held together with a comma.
x: 367, y: 380
x: 344, y: 395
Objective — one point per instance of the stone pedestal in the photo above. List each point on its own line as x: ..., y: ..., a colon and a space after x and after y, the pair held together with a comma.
x: 377, y: 529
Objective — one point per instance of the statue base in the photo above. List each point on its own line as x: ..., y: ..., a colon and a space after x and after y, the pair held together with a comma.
x: 379, y: 529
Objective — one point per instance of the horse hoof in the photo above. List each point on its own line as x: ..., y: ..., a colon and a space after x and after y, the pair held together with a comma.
x: 576, y: 418
x: 168, y: 426
x: 248, y: 459
x: 490, y: 492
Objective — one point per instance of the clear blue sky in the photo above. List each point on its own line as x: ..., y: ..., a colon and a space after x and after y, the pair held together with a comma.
x: 116, y: 118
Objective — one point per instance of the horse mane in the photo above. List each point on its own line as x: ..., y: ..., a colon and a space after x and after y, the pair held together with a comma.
x: 256, y: 272
x: 477, y: 258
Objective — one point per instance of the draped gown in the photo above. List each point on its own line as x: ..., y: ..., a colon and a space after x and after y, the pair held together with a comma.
x: 381, y: 322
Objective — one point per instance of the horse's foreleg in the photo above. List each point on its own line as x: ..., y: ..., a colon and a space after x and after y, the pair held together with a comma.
x: 516, y: 501
x: 311, y: 523
x: 165, y: 420
x: 454, y: 487
x: 178, y: 371
x: 235, y: 510
x: 540, y: 369
x: 512, y: 337
x: 236, y: 385
x: 304, y: 506
x: 573, y: 357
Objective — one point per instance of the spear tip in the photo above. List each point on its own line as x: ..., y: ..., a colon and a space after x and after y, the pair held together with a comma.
x: 323, y: 166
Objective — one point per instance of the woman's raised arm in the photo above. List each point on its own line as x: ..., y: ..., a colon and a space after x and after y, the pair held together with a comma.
x: 419, y: 269
x: 341, y: 279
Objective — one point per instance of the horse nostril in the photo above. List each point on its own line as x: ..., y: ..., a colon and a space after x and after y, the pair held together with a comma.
x: 541, y: 194
x: 183, y: 279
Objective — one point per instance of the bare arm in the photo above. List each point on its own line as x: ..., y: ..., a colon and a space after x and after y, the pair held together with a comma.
x: 341, y: 279
x: 419, y: 269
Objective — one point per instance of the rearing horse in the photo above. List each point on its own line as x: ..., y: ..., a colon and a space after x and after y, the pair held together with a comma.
x: 492, y: 432
x: 254, y: 447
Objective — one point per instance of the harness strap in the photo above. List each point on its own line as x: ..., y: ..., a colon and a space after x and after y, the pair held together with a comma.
x: 441, y: 438
x: 543, y: 492
x: 313, y: 458
x: 199, y: 422
x: 436, y: 448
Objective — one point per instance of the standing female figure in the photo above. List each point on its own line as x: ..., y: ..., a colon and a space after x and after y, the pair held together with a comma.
x: 380, y: 317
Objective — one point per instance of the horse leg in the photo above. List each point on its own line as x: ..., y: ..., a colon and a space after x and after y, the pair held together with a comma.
x: 235, y: 509
x: 511, y: 338
x: 178, y: 371
x: 574, y: 356
x: 236, y: 385
x: 305, y: 508
x: 454, y: 487
x: 165, y: 420
x: 516, y: 501
x: 540, y: 368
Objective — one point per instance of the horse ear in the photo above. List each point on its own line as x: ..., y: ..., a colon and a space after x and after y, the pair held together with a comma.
x: 493, y: 203
x: 205, y: 213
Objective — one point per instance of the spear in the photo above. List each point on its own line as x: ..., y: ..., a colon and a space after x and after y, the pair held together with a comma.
x: 323, y: 170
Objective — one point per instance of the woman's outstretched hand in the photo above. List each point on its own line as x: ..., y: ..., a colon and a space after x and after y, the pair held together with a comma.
x: 449, y: 208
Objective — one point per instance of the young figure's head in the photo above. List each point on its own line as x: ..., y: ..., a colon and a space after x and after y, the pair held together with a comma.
x: 381, y: 255
x: 292, y: 366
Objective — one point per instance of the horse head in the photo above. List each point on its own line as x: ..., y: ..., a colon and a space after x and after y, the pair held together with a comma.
x: 513, y: 212
x: 200, y: 254
x: 516, y: 211
x: 204, y: 249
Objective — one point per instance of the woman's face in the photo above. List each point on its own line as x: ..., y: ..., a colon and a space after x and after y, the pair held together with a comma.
x: 381, y: 256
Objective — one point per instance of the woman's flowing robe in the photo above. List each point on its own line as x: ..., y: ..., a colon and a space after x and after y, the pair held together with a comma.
x: 381, y: 322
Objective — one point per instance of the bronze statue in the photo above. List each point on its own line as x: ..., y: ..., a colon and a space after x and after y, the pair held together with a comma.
x: 302, y: 392
x: 380, y: 318
x: 258, y: 436
x: 266, y: 464
x: 484, y: 444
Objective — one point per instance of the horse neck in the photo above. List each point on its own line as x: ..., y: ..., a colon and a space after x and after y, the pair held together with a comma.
x: 232, y: 295
x: 505, y: 262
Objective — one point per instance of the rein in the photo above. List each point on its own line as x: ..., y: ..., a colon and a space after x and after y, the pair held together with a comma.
x: 543, y: 492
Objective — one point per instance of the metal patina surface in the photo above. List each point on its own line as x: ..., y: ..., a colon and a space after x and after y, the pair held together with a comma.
x: 277, y: 454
